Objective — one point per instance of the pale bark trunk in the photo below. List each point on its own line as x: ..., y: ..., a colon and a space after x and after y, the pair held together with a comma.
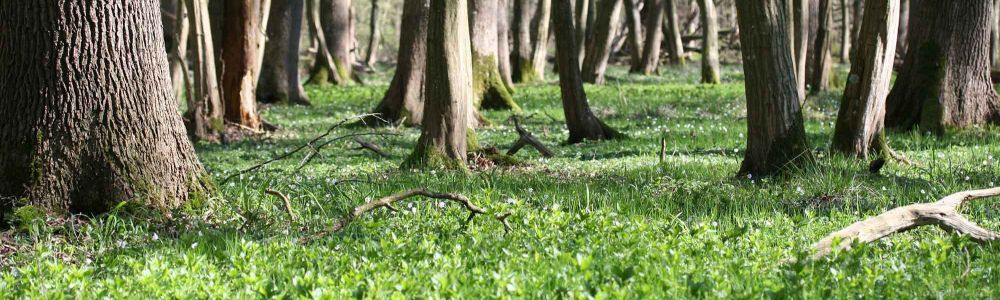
x: 845, y: 31
x: 801, y: 45
x: 489, y: 90
x: 820, y: 80
x: 320, y: 73
x: 675, y: 45
x: 337, y: 23
x: 530, y: 34
x: 205, y: 110
x: 654, y: 38
x: 583, y: 13
x: 995, y: 36
x: 240, y: 25
x: 176, y: 32
x: 634, y: 34
x: 710, y: 72
x: 375, y: 35
x: 599, y: 46
x: 503, y: 48
x: 89, y: 118
x: 540, y: 38
x: 405, y: 97
x: 280, y: 64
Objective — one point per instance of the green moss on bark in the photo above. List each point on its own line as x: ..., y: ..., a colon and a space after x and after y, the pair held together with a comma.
x: 488, y: 88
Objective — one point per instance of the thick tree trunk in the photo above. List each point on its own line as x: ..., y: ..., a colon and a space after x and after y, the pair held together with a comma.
x: 280, y: 66
x: 776, y: 139
x: 205, y: 111
x: 945, y: 77
x: 530, y: 32
x: 240, y: 25
x: 175, y: 33
x: 654, y: 38
x: 675, y: 45
x: 375, y: 36
x: 444, y: 137
x: 580, y: 121
x: 405, y: 97
x: 845, y: 31
x: 820, y: 80
x: 634, y: 34
x: 860, y: 122
x: 599, y: 46
x: 857, y: 15
x: 89, y: 118
x: 336, y: 25
x: 583, y: 13
x: 710, y: 42
x: 503, y: 46
x: 320, y: 73
x: 489, y: 90
x: 540, y: 38
x: 801, y: 45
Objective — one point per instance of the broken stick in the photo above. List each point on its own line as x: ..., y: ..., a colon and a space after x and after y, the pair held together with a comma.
x: 527, y: 139
x: 362, y: 144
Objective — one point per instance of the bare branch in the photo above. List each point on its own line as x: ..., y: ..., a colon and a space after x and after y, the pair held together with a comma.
x: 288, y: 204
x: 372, y: 147
x: 527, y: 139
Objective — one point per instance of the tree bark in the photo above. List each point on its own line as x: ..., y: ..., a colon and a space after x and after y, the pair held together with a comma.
x: 320, y: 73
x: 654, y: 38
x: 89, y: 118
x: 801, y: 45
x: 580, y: 121
x: 240, y: 26
x: 675, y: 45
x: 205, y: 110
x: 599, y: 46
x: 444, y: 137
x: 776, y: 139
x: 634, y: 38
x: 279, y: 81
x: 375, y: 36
x: 904, y: 26
x: 405, y: 97
x: 175, y: 33
x: 710, y: 42
x: 583, y: 13
x: 531, y: 18
x: 857, y: 15
x: 336, y: 25
x: 945, y: 76
x: 540, y: 38
x: 489, y: 90
x: 820, y: 80
x: 995, y: 35
x: 860, y: 123
x: 845, y: 31
x: 503, y: 46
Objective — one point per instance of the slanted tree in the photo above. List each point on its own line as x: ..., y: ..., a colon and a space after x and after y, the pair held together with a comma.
x: 654, y: 38
x: 89, y: 118
x: 599, y: 46
x: 337, y: 28
x: 675, y: 45
x: 820, y: 79
x: 489, y: 89
x: 633, y: 35
x: 945, y: 76
x: 776, y: 138
x: 444, y: 138
x: 531, y: 24
x: 710, y: 42
x: 581, y: 122
x: 204, y: 114
x: 375, y: 34
x: 279, y: 79
x: 801, y: 41
x: 860, y: 123
x: 239, y: 59
x: 404, y: 100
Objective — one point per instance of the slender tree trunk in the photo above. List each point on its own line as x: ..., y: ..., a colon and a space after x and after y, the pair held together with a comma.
x: 583, y: 13
x: 821, y: 61
x: 599, y: 46
x: 776, y: 139
x: 675, y: 45
x: 860, y: 122
x: 238, y: 58
x: 945, y: 76
x: 503, y: 46
x: 337, y: 23
x: 654, y: 38
x: 443, y: 140
x: 89, y: 118
x: 540, y: 38
x: 710, y: 42
x: 995, y: 35
x: 404, y: 100
x: 205, y: 111
x: 527, y: 24
x: 580, y: 121
x: 489, y: 90
x: 375, y: 36
x: 320, y: 73
x: 857, y: 15
x: 845, y: 31
x: 280, y: 66
x: 634, y: 38
x: 801, y: 45
x: 904, y: 26
x: 176, y: 32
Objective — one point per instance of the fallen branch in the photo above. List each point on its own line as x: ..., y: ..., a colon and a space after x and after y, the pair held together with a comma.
x: 527, y: 139
x: 372, y: 147
x: 288, y: 204
x: 943, y: 213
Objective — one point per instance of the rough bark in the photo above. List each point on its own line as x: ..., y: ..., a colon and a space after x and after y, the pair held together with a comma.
x: 540, y: 38
x: 580, y: 121
x: 945, y: 76
x: 845, y: 31
x: 375, y: 36
x: 405, y: 97
x: 489, y: 90
x: 240, y: 26
x: 801, y: 45
x: 654, y: 38
x: 336, y: 24
x: 583, y: 13
x: 444, y: 138
x: 710, y: 42
x: 857, y: 15
x: 531, y: 18
x: 634, y: 34
x: 280, y: 65
x: 205, y: 111
x: 776, y: 139
x: 599, y: 46
x: 820, y: 80
x: 860, y: 123
x: 89, y: 118
x: 503, y: 46
x: 675, y: 45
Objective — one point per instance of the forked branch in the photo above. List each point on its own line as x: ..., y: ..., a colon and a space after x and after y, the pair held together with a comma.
x: 943, y: 213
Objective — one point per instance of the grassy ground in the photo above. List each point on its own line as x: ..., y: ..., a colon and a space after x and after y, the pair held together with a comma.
x: 601, y: 220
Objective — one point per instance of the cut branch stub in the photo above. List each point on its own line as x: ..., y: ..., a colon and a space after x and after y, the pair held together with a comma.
x: 943, y: 213
x: 525, y: 138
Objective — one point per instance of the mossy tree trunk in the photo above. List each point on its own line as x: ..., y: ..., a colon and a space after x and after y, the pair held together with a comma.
x: 375, y: 34
x: 633, y: 35
x: 860, y: 123
x: 531, y: 23
x: 239, y: 57
x: 405, y: 97
x: 654, y: 38
x: 205, y: 110
x: 801, y: 48
x: 675, y: 45
x: 503, y: 44
x: 820, y: 79
x: 776, y: 138
x: 444, y: 138
x: 489, y: 90
x: 89, y: 117
x: 580, y: 121
x: 945, y: 76
x: 599, y: 46
x: 337, y: 21
x: 710, y: 42
x: 279, y: 79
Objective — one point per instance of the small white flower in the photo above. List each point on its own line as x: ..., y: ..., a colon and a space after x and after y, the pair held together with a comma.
x: 800, y: 190
x: 121, y: 243
x: 749, y: 176
x: 441, y: 204
x: 923, y: 191
x: 193, y: 245
x: 966, y: 178
x: 88, y: 261
x: 156, y: 237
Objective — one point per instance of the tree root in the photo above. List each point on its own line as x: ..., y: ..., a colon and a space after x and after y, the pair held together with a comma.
x: 387, y: 202
x: 943, y: 213
x: 527, y: 139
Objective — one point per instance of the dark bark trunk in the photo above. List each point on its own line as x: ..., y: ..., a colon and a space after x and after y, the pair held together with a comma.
x: 320, y: 73
x: 89, y: 118
x: 580, y: 121
x: 280, y: 66
x: 945, y: 76
x: 820, y: 80
x: 675, y: 45
x: 599, y: 46
x: 240, y: 24
x: 375, y: 35
x: 776, y: 139
x: 444, y: 137
x: 710, y: 42
x: 489, y: 90
x: 634, y: 38
x: 405, y: 97
x: 529, y: 34
x: 857, y: 15
x: 860, y: 122
x: 904, y: 26
x: 205, y: 111
x: 337, y: 24
x: 654, y: 38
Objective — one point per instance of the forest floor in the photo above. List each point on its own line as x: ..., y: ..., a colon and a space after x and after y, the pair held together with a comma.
x: 599, y: 220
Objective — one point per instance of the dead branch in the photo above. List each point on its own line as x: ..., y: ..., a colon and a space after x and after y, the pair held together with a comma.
x: 288, y: 204
x: 943, y: 213
x: 372, y: 147
x: 527, y: 139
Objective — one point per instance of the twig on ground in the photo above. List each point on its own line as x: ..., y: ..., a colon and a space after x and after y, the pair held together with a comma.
x: 527, y: 139
x: 288, y: 204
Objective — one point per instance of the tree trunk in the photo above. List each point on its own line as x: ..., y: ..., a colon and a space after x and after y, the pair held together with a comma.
x: 710, y: 42
x: 580, y: 121
x: 904, y: 26
x: 175, y: 33
x: 240, y: 26
x: 405, y: 97
x: 801, y: 45
x: 654, y: 38
x: 540, y: 38
x: 634, y: 38
x: 675, y: 45
x: 444, y: 137
x: 89, y: 118
x: 820, y: 80
x: 845, y: 31
x: 862, y: 109
x: 599, y: 46
x: 776, y: 139
x: 583, y: 13
x: 375, y: 36
x: 205, y: 111
x: 945, y: 77
x: 336, y: 24
x: 995, y: 36
x: 280, y: 66
x: 320, y: 73
x: 528, y: 34
x: 489, y: 90
x: 857, y: 15
x: 503, y: 46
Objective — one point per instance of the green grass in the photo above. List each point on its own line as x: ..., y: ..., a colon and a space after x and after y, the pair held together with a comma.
x: 601, y: 220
